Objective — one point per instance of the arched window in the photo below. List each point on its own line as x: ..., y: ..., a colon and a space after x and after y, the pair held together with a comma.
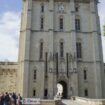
x: 86, y: 92
x: 85, y: 74
x: 34, y: 74
x: 41, y: 50
x: 61, y: 23
x: 45, y: 93
x: 61, y: 48
x: 79, y: 50
x: 42, y: 8
x: 34, y: 92
x: 42, y: 23
x: 77, y: 23
x: 76, y: 7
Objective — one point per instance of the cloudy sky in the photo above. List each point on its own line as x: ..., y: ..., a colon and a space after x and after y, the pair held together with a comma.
x: 10, y: 11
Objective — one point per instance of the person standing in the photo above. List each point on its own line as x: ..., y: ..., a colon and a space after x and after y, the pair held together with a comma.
x: 7, y: 99
x: 14, y: 98
x: 19, y: 100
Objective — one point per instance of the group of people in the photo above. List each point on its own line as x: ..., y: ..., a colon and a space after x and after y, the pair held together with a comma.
x: 10, y: 99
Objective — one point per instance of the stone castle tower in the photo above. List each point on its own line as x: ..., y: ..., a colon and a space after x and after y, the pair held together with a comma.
x: 60, y: 42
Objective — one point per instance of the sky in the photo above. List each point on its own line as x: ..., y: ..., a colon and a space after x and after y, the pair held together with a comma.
x: 10, y: 13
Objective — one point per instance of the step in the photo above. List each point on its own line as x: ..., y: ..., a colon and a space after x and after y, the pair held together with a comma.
x: 72, y: 102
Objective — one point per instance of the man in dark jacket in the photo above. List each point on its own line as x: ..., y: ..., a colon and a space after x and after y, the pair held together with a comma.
x: 7, y: 99
x: 14, y: 97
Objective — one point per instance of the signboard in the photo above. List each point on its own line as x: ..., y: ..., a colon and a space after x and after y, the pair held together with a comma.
x: 30, y: 101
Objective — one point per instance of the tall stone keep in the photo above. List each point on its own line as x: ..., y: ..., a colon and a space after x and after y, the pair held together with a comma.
x: 60, y: 42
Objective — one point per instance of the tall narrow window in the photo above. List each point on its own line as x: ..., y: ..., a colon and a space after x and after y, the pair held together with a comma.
x: 35, y: 75
x: 79, y: 50
x: 61, y: 23
x: 41, y: 23
x: 85, y: 75
x: 61, y: 49
x: 34, y: 92
x: 76, y: 7
x: 86, y: 92
x: 77, y: 24
x: 41, y: 50
x: 42, y: 8
x: 45, y: 93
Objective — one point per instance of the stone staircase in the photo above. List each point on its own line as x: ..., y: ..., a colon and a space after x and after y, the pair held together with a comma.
x: 72, y: 102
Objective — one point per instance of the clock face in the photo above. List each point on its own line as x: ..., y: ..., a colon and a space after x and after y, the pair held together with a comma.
x: 61, y: 7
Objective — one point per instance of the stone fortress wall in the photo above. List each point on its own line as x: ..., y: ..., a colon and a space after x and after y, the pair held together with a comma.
x: 8, y: 75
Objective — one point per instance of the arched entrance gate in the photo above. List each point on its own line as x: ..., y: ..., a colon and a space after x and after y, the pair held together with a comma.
x: 64, y: 84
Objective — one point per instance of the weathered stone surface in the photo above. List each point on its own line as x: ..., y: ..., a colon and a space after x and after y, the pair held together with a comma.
x: 8, y: 76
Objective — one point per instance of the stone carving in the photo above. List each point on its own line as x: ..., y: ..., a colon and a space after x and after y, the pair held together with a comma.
x: 59, y: 92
